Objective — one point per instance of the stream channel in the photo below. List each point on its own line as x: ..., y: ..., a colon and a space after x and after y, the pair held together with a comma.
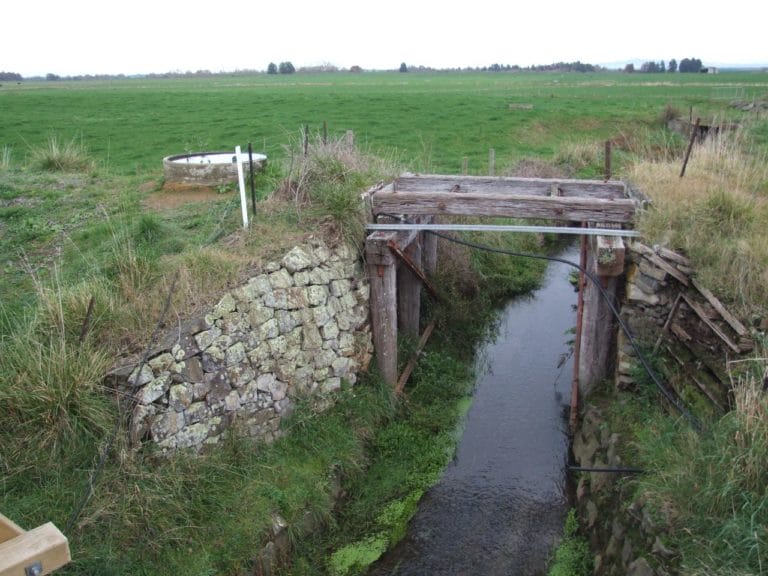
x: 500, y: 505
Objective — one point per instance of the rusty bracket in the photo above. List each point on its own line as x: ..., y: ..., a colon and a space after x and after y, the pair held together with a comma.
x: 392, y: 245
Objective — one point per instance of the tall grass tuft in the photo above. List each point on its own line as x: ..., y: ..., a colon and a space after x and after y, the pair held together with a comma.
x: 328, y: 180
x: 50, y: 397
x: 58, y: 156
x: 5, y: 157
x: 717, y: 214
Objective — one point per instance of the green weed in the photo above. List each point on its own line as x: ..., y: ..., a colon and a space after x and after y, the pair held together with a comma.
x: 572, y: 556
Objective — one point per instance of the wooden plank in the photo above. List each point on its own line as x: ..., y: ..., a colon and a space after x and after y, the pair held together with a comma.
x: 409, y: 292
x: 9, y: 529
x: 712, y: 326
x: 660, y: 262
x: 732, y: 321
x: 382, y: 277
x: 44, y: 544
x: 611, y: 190
x: 505, y: 205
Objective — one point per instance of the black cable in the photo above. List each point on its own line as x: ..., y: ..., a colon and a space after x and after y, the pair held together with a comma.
x: 113, y: 436
x: 695, y: 423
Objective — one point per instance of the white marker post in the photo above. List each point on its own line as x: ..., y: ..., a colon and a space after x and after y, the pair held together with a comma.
x: 241, y: 182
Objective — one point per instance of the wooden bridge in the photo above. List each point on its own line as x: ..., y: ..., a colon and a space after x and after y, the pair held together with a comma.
x: 400, y: 254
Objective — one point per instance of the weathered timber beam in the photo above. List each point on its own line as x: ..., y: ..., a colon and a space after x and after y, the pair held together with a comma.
x: 611, y: 190
x: 382, y: 278
x: 377, y: 245
x: 502, y: 205
x: 408, y: 287
x: 712, y: 326
x: 45, y: 545
x: 609, y: 255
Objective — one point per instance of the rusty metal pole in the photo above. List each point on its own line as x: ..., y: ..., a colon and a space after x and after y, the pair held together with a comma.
x: 574, y: 411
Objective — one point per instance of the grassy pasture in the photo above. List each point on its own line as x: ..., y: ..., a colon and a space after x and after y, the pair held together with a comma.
x: 431, y: 121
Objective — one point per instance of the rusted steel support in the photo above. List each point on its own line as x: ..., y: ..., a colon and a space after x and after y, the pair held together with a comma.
x: 415, y: 269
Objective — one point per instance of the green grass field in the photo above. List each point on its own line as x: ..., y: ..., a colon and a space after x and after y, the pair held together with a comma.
x: 431, y: 120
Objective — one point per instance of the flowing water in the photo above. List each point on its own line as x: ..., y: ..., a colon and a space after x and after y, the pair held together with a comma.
x: 500, y: 506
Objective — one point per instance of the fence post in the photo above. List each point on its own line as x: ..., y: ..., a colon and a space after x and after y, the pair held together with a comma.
x: 491, y: 162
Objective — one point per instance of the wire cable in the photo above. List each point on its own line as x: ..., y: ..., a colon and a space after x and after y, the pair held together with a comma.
x: 693, y: 420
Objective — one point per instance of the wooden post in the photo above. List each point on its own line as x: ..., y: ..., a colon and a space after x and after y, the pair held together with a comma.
x: 608, y: 173
x: 464, y: 165
x: 325, y: 132
x: 409, y: 291
x: 350, y: 139
x: 306, y: 139
x: 694, y: 134
x: 383, y: 285
x: 429, y: 248
x: 491, y: 162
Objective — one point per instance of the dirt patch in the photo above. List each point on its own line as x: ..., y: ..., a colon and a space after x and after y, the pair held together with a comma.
x: 175, y: 195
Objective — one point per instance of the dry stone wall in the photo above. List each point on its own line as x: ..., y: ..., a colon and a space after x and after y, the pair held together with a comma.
x: 297, y: 328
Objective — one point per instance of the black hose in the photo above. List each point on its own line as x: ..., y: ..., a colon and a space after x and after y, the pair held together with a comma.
x: 607, y: 470
x: 693, y: 420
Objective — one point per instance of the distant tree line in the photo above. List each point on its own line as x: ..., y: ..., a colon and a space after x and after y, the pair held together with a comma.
x: 10, y: 76
x: 497, y: 67
x: 686, y: 65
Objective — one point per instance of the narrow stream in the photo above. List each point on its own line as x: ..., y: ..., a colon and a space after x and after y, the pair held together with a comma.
x: 500, y: 506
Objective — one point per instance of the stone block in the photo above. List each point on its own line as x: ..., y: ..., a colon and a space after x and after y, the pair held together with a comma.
x: 270, y: 329
x: 319, y: 276
x: 166, y: 424
x: 155, y: 389
x: 297, y: 260
x: 226, y: 305
x: 316, y: 295
x: 235, y: 355
x: 180, y: 397
x: 196, y: 412
x: 280, y: 279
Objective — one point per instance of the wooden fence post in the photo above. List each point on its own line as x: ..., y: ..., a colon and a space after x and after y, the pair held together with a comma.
x: 429, y: 248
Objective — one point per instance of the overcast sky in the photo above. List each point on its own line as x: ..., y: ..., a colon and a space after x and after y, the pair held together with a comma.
x: 70, y: 37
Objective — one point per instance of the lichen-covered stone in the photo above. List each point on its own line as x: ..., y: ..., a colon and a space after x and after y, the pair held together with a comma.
x: 141, y: 378
x: 330, y: 330
x: 206, y: 338
x: 296, y: 260
x: 339, y: 287
x: 280, y: 279
x: 196, y: 412
x: 319, y: 277
x: 269, y: 329
x: 322, y: 316
x: 155, y: 389
x: 166, y: 424
x: 277, y: 299
x: 180, y: 397
x: 301, y: 278
x: 235, y: 354
x: 259, y: 314
x: 277, y: 346
x: 226, y: 304
x: 312, y: 338
x: 232, y: 401
x: 161, y: 362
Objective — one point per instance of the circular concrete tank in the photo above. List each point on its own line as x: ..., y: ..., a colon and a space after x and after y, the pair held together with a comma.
x: 207, y: 168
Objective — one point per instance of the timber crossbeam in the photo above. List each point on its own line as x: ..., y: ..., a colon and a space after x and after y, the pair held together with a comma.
x: 38, y: 551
